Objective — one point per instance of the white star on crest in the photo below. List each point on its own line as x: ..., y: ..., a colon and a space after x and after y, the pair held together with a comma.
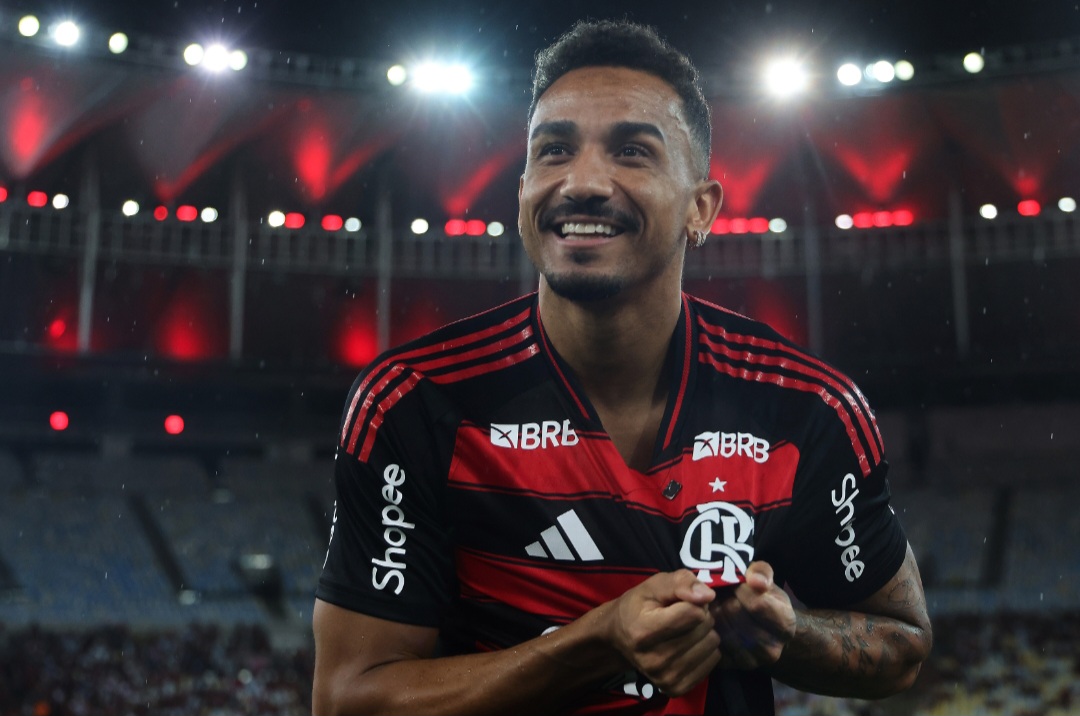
x: 717, y: 485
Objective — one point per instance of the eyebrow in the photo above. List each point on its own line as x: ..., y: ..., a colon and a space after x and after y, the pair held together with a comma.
x: 565, y: 128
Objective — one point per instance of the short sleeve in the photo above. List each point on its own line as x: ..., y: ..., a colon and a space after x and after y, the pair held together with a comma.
x: 845, y: 541
x: 390, y: 553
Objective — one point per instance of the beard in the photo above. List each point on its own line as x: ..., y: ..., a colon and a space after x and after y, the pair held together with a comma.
x: 584, y: 289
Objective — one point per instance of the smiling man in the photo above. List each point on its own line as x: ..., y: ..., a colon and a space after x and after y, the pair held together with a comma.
x: 591, y: 498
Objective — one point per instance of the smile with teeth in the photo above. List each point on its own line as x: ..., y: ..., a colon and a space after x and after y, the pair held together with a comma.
x: 581, y: 230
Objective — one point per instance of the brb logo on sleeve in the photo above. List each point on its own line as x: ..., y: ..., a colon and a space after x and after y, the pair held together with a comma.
x: 718, y: 540
x: 530, y: 436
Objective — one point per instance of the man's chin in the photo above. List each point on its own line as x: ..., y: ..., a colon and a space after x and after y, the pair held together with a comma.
x: 584, y: 289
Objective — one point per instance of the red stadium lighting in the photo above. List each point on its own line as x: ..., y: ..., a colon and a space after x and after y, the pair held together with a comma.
x: 174, y: 425
x: 721, y: 226
x: 161, y: 213
x: 57, y: 328
x: 58, y: 420
x: 294, y: 220
x: 3, y: 194
x: 758, y: 225
x: 863, y: 220
x: 903, y: 217
x: 882, y: 218
x: 37, y: 199
x: 739, y: 226
x: 332, y: 222
x: 475, y: 227
x: 1028, y: 207
x: 187, y: 213
x: 455, y: 227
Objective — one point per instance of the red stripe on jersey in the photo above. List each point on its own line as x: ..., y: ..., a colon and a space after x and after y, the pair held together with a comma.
x: 560, y: 589
x: 423, y: 351
x: 388, y: 402
x: 794, y: 383
x: 685, y: 375
x: 849, y: 392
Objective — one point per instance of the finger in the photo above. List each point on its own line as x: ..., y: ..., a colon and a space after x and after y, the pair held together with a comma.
x: 680, y: 620
x: 689, y: 588
x: 696, y: 666
x: 759, y: 576
x: 680, y: 666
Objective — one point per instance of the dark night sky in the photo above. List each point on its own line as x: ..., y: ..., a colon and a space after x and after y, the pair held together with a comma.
x: 713, y: 31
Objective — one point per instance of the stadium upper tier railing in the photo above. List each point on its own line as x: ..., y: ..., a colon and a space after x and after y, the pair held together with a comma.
x: 316, y: 251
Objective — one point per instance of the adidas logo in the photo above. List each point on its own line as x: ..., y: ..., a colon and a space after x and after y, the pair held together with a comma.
x: 553, y: 541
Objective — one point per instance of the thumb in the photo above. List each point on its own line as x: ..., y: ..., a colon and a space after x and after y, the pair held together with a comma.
x: 759, y: 576
x: 688, y: 588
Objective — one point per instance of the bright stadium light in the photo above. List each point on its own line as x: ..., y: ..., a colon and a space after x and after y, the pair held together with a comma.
x: 785, y: 77
x: 209, y: 215
x: 118, y: 42
x: 1067, y: 204
x: 882, y: 71
x: 419, y: 226
x: 904, y: 70
x: 432, y: 77
x: 238, y: 60
x: 193, y: 54
x: 215, y: 59
x: 849, y: 74
x: 352, y: 224
x: 29, y: 26
x: 777, y: 226
x: 845, y: 222
x: 61, y: 201
x: 130, y: 208
x: 396, y: 75
x: 496, y: 228
x: 66, y: 34
x: 988, y: 211
x: 974, y: 62
x: 276, y: 219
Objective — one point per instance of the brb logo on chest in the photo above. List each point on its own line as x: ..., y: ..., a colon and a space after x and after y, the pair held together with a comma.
x: 394, y: 533
x: 718, y: 444
x: 718, y: 540
x: 530, y: 436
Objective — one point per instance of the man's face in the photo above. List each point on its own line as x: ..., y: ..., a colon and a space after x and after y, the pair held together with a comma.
x: 609, y: 185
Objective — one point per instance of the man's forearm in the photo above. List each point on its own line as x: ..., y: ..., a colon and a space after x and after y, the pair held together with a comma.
x: 850, y: 653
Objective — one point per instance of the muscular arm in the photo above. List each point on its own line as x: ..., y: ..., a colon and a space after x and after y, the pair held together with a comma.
x: 872, y: 650
x: 368, y: 665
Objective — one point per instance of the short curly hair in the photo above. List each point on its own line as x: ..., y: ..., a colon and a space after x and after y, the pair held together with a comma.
x: 610, y: 43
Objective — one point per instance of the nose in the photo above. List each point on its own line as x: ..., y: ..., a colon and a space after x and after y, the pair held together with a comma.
x: 588, y: 177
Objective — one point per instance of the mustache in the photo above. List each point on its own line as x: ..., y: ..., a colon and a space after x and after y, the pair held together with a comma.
x: 591, y: 209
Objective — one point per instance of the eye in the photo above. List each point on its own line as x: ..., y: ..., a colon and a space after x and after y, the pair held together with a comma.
x: 633, y: 151
x: 552, y: 150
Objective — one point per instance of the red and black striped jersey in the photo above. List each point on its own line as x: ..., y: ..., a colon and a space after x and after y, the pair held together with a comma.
x: 477, y: 491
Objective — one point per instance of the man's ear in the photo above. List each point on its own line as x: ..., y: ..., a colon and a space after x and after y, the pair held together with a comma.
x: 707, y: 201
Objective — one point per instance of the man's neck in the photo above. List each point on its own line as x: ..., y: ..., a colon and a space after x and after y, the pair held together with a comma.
x: 616, y: 348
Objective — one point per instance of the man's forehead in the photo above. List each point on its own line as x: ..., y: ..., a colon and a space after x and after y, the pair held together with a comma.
x: 611, y: 95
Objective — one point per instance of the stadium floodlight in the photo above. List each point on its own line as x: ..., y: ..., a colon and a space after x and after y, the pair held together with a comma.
x: 29, y: 26
x: 61, y: 201
x: 882, y: 71
x: 845, y: 222
x: 785, y: 77
x: 974, y: 62
x: 778, y: 226
x: 66, y: 33
x: 276, y: 219
x: 988, y: 211
x: 215, y: 59
x: 193, y: 54
x: 238, y: 60
x: 435, y: 77
x: 419, y: 226
x: 118, y: 42
x: 904, y: 70
x: 849, y: 74
x: 209, y: 215
x: 1067, y: 204
x: 130, y: 208
x: 496, y: 228
x: 396, y: 75
x: 352, y: 224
